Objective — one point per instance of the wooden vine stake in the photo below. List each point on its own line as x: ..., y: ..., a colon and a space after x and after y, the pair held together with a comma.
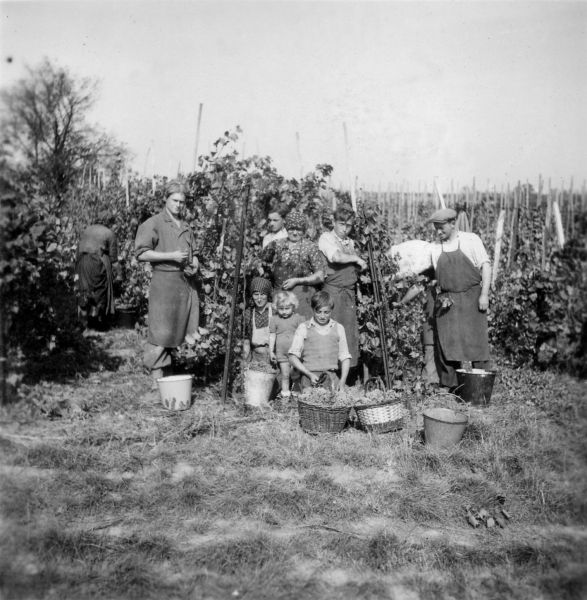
x: 498, y: 238
x: 350, y: 172
x: 560, y: 234
x: 439, y: 195
x: 127, y: 190
x: 3, y: 353
x: 571, y: 211
x: 197, y: 142
x: 237, y: 272
x: 299, y: 153
x: 513, y: 230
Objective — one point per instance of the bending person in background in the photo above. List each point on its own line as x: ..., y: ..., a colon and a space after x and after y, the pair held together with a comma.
x: 296, y: 264
x: 342, y: 268
x: 168, y: 244
x: 463, y: 273
x: 97, y: 256
x: 275, y: 222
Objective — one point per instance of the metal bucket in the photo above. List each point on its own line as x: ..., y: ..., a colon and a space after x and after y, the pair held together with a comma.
x: 444, y: 427
x: 475, y: 385
x: 176, y: 391
x: 126, y: 318
x: 258, y: 387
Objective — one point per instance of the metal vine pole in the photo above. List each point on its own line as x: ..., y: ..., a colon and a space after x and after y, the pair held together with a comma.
x: 237, y: 269
x: 380, y: 306
x: 3, y: 359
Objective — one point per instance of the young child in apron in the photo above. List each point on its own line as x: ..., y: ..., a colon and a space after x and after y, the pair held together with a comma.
x: 256, y: 342
x: 282, y: 327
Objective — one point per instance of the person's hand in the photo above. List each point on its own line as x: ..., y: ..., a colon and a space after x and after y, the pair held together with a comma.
x: 340, y: 387
x: 117, y: 272
x: 179, y: 256
x: 273, y: 357
x: 290, y: 283
x: 483, y: 302
x: 314, y: 379
x: 191, y: 270
x: 362, y: 264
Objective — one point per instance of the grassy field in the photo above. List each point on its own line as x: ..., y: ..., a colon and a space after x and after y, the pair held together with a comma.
x: 106, y: 495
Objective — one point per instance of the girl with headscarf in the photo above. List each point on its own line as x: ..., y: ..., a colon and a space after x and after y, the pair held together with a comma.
x: 296, y: 264
x: 257, y: 319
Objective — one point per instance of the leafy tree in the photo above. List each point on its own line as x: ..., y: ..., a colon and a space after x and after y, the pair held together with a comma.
x: 46, y: 135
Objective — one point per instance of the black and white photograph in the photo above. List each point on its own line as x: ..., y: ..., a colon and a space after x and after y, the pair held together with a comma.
x: 293, y: 300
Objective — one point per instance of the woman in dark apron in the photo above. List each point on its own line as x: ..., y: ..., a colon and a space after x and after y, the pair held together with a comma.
x: 461, y: 306
x: 168, y: 244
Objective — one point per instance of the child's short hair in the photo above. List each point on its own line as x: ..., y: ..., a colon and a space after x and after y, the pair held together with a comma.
x: 320, y: 300
x: 285, y: 298
x: 343, y: 213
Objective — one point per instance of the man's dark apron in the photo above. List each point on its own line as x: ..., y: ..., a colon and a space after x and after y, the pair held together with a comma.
x: 340, y: 284
x: 462, y: 327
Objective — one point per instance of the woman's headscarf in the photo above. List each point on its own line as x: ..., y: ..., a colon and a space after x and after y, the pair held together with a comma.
x: 295, y: 220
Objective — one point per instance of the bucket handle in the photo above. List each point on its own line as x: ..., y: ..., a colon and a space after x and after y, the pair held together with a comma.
x: 437, y: 402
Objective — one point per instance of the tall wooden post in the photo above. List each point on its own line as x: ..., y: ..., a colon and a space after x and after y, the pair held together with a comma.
x: 513, y: 229
x: 3, y: 357
x: 197, y: 143
x: 299, y: 153
x: 349, y: 169
x: 236, y: 278
x: 571, y: 211
x: 497, y: 253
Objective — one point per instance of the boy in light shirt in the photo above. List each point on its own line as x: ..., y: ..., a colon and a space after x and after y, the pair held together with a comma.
x: 319, y: 346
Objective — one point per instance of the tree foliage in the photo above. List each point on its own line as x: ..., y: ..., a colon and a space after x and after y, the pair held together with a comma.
x: 46, y: 135
x: 537, y: 314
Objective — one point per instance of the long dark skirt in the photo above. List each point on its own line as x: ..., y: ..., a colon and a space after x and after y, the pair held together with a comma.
x: 95, y: 285
x: 173, y: 309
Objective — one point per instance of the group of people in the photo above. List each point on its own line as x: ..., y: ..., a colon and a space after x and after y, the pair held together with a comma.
x: 310, y: 328
x: 312, y: 324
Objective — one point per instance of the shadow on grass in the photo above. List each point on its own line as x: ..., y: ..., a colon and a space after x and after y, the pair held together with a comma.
x: 83, y: 356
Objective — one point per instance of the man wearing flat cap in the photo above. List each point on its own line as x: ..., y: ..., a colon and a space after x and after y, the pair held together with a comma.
x: 463, y: 273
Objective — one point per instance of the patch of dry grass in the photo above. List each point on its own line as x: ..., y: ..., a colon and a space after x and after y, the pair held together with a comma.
x: 126, y: 500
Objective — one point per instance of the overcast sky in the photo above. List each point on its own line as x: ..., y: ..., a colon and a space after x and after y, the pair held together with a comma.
x: 454, y: 90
